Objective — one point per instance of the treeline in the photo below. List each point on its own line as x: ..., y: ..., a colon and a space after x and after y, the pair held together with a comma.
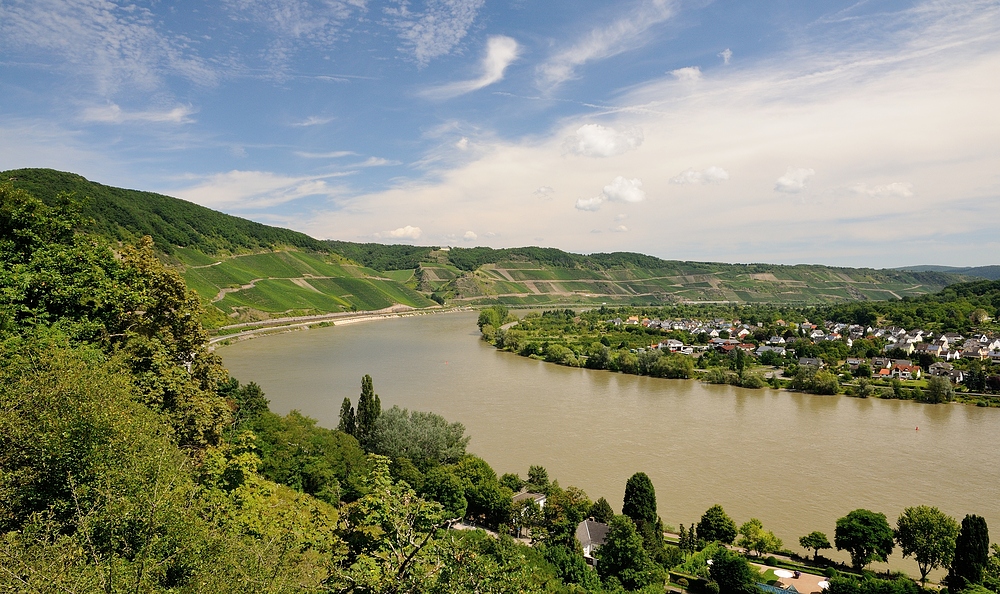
x: 956, y: 308
x: 128, y: 215
x: 380, y: 256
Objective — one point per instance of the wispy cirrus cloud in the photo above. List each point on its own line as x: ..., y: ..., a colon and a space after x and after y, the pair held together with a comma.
x: 329, y: 155
x: 708, y: 175
x: 894, y: 189
x: 113, y: 114
x: 626, y: 33
x: 312, y: 121
x: 436, y: 29
x: 113, y: 46
x: 242, y: 190
x: 500, y: 52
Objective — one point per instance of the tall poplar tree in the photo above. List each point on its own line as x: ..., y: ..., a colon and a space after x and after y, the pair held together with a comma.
x: 640, y: 506
x: 348, y: 424
x: 369, y: 409
x: 972, y: 553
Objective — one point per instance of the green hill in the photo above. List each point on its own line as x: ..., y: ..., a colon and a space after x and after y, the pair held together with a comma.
x: 987, y: 272
x: 244, y: 270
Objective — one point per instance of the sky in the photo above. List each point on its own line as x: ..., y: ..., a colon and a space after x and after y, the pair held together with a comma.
x: 821, y: 131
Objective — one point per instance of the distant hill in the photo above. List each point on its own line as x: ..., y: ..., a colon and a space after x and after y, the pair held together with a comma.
x: 244, y: 270
x: 987, y: 272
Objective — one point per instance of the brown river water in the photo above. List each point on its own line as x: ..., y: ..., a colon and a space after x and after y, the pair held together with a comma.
x: 795, y: 461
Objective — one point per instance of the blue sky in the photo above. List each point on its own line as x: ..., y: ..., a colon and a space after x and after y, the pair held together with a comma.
x: 844, y: 133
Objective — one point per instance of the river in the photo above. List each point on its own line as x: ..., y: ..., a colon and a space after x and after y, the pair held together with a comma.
x: 795, y: 461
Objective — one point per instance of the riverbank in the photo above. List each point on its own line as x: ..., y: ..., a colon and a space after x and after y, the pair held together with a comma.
x: 293, y: 324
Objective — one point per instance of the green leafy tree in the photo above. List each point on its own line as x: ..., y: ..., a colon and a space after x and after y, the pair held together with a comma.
x: 623, y: 557
x: 866, y: 535
x: 972, y: 553
x: 538, y: 479
x: 348, y: 422
x: 928, y: 535
x: 390, y: 534
x: 424, y: 437
x: 601, y: 511
x: 564, y: 510
x: 939, y: 389
x: 733, y: 573
x: 512, y: 482
x: 755, y: 539
x: 715, y: 525
x: 441, y: 485
x: 815, y: 541
x: 640, y: 502
x: 369, y: 409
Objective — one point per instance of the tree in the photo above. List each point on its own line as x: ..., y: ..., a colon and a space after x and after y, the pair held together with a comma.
x: 939, y: 389
x: 815, y: 541
x: 623, y: 556
x: 601, y: 511
x: 733, y: 573
x: 348, y: 423
x: 972, y: 553
x: 715, y: 525
x: 369, y: 409
x: 640, y: 500
x: 443, y: 486
x: 755, y: 539
x: 538, y: 479
x: 928, y: 534
x: 866, y: 535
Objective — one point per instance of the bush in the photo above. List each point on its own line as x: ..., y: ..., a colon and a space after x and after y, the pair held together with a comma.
x: 772, y: 561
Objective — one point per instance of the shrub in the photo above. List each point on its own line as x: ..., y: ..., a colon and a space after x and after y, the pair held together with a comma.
x: 772, y: 561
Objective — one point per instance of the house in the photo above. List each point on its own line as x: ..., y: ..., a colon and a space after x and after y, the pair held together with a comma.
x: 538, y: 498
x: 976, y: 352
x: 776, y: 340
x: 906, y: 347
x: 671, y: 344
x: 853, y: 363
x: 778, y: 350
x: 591, y: 535
x: 905, y: 372
x: 940, y: 369
x: 956, y: 376
x: 811, y: 362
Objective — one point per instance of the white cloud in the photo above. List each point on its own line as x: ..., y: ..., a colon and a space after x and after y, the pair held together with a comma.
x: 114, y: 47
x: 312, y: 121
x: 462, y: 144
x: 112, y: 114
x: 437, y: 29
x: 590, y: 204
x: 376, y: 162
x: 255, y: 189
x: 726, y: 55
x: 688, y: 74
x: 470, y: 236
x: 621, y: 217
x: 794, y: 180
x: 619, y: 190
x: 500, y: 52
x: 895, y: 189
x: 620, y: 36
x: 330, y: 155
x: 544, y: 192
x: 406, y: 232
x: 624, y: 190
x: 620, y: 229
x: 708, y: 175
x: 594, y: 140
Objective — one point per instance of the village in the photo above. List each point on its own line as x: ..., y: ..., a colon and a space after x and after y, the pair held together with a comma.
x: 903, y: 354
